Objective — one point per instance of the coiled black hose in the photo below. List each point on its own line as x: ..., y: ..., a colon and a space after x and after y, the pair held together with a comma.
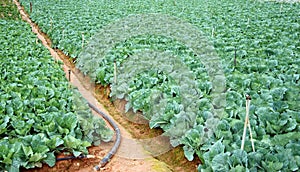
x: 112, y: 151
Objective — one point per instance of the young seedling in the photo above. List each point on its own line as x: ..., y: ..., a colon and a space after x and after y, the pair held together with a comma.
x: 247, y: 123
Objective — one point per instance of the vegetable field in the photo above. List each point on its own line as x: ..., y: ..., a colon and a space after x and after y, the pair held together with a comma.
x: 8, y: 10
x: 258, y: 47
x: 40, y: 114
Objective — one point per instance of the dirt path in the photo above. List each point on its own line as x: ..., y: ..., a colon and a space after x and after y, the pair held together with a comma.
x: 130, y: 157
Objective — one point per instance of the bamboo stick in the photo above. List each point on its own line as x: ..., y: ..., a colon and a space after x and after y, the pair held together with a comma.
x: 249, y: 126
x: 115, y: 72
x: 252, y: 141
x: 82, y: 34
x: 245, y: 124
x: 30, y: 7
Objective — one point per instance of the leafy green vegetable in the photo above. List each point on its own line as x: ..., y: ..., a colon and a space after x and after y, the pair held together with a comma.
x: 258, y: 43
x: 8, y: 10
x: 40, y: 114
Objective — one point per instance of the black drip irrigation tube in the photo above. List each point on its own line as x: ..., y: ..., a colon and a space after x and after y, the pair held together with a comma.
x: 71, y: 157
x: 112, y: 151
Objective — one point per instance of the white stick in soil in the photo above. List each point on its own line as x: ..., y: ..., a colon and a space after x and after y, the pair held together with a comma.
x: 246, y: 121
x: 30, y: 7
x: 252, y: 141
x: 115, y: 72
x: 51, y: 23
x: 249, y: 126
x: 63, y: 34
x: 82, y: 34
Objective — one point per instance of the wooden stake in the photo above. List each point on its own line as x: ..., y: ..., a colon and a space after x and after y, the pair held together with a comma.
x: 51, y: 23
x: 115, y: 72
x: 234, y: 60
x: 69, y: 74
x: 82, y: 40
x: 30, y: 7
x: 247, y: 122
x: 63, y: 34
x: 251, y: 138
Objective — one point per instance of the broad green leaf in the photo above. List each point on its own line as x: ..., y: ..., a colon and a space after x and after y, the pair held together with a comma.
x: 51, y: 159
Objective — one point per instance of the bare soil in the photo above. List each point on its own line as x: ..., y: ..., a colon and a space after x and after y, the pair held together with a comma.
x: 132, y: 154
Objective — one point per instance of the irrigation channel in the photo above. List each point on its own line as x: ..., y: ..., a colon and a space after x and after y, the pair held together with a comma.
x: 136, y: 159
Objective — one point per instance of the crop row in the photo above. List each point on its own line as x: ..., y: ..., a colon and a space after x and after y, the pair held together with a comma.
x: 40, y: 114
x: 257, y: 42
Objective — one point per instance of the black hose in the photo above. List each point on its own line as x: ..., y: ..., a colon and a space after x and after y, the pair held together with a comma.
x: 70, y: 157
x: 114, y: 149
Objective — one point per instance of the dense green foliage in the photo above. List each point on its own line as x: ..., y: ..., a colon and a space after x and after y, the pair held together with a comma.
x: 40, y: 115
x: 259, y: 45
x: 8, y: 10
